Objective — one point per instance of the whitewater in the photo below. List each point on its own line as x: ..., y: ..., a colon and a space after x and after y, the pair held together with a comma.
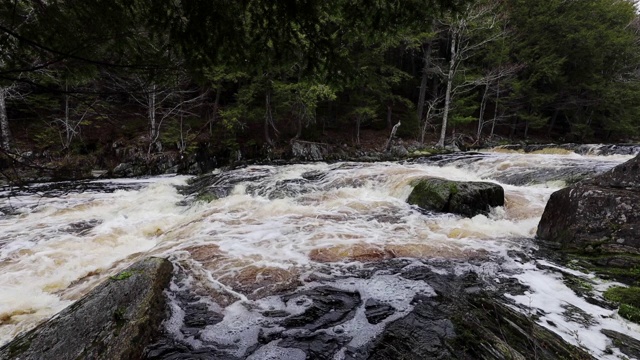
x: 272, y: 227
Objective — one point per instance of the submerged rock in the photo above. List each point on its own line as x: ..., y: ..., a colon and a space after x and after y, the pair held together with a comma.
x: 600, y: 215
x: 114, y: 321
x: 464, y: 198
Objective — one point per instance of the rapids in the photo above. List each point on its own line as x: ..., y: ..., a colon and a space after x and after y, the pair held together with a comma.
x: 278, y: 228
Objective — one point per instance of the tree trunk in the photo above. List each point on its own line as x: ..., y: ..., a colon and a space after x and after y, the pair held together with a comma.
x: 553, y: 122
x: 358, y: 121
x: 298, y: 128
x: 447, y: 95
x: 153, y: 125
x: 513, y: 128
x: 268, y: 118
x: 67, y: 121
x: 393, y: 133
x: 216, y: 106
x: 5, y: 141
x: 389, y: 114
x: 483, y: 106
x: 423, y: 82
x: 299, y: 111
x: 495, y: 111
x: 424, y: 125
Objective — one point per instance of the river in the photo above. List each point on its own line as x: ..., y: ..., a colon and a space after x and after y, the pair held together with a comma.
x: 276, y: 228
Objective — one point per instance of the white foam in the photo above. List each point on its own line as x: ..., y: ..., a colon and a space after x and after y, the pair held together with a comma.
x: 272, y: 352
x: 550, y: 295
x: 44, y: 266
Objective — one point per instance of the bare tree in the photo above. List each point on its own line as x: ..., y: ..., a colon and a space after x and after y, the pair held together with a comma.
x: 74, y: 115
x: 491, y: 77
x: 393, y: 133
x: 463, y: 43
x: 269, y: 123
x: 432, y: 113
x: 161, y: 100
x: 5, y: 140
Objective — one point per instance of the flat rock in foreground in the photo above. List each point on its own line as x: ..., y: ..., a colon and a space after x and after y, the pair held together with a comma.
x: 114, y: 321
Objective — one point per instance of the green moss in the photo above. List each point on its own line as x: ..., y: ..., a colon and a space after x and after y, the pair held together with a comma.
x: 574, y: 179
x: 577, y: 284
x: 630, y: 313
x: 119, y: 318
x: 122, y: 276
x: 419, y: 153
x: 629, y: 300
x: 625, y: 295
x: 430, y: 194
x: 18, y: 347
x: 602, y: 264
x: 206, y: 197
x: 119, y: 315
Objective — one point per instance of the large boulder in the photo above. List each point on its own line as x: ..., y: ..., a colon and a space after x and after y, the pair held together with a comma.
x: 600, y: 215
x: 464, y: 198
x: 116, y: 320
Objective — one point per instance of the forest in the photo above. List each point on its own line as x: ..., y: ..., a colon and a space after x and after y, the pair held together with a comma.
x: 81, y: 76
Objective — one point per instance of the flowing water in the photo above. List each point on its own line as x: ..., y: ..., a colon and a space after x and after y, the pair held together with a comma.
x: 278, y: 228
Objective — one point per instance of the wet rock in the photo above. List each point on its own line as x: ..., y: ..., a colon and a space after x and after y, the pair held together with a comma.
x: 317, y: 346
x: 275, y: 313
x: 462, y: 320
x: 464, y: 198
x: 310, y: 151
x: 330, y: 307
x: 489, y: 329
x: 628, y: 345
x: 399, y: 151
x: 376, y: 311
x: 258, y: 281
x: 423, y: 334
x: 114, y: 321
x: 355, y: 252
x: 170, y: 350
x: 583, y: 149
x: 597, y: 216
x: 198, y: 315
x: 81, y: 227
x: 282, y: 189
x: 127, y: 170
x: 314, y: 175
x: 219, y: 185
x: 570, y: 174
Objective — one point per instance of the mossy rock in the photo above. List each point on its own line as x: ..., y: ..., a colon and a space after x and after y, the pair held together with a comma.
x: 430, y: 194
x: 206, y: 197
x: 458, y: 197
x: 624, y: 268
x: 629, y: 300
x: 116, y: 320
x: 597, y: 216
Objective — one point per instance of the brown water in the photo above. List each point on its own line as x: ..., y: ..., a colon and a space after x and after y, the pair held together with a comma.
x: 270, y: 233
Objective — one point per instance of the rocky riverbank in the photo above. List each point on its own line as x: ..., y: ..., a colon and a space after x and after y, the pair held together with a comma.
x: 134, y: 161
x: 351, y: 299
x: 453, y: 316
x: 595, y: 225
x: 115, y: 321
